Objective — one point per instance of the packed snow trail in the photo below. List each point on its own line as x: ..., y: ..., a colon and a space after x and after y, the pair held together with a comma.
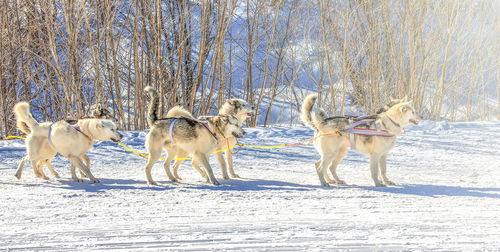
x: 447, y: 197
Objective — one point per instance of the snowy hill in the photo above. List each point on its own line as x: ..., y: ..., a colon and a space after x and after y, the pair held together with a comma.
x: 447, y: 197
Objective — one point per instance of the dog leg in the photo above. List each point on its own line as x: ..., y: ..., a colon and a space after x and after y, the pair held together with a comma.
x: 177, y: 163
x: 374, y: 170
x: 333, y: 167
x: 154, y: 155
x: 383, y: 169
x: 73, y: 173
x: 204, y: 161
x: 166, y: 165
x: 229, y: 157
x: 38, y: 169
x: 195, y: 164
x: 325, y: 175
x: 49, y: 165
x: 222, y: 164
x: 79, y: 163
x: 19, y: 172
x: 321, y: 166
x: 86, y: 160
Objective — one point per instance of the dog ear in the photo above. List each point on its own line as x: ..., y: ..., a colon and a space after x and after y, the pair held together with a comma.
x: 99, y: 125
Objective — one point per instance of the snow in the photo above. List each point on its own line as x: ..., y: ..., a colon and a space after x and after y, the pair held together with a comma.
x: 447, y: 197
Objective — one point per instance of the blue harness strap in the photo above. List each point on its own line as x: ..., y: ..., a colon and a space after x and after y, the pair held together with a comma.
x: 50, y: 140
x: 171, y: 129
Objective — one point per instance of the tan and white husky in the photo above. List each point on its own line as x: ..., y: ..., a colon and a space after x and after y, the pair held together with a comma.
x: 45, y: 140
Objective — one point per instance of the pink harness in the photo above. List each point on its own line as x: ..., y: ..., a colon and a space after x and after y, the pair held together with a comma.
x: 352, y: 130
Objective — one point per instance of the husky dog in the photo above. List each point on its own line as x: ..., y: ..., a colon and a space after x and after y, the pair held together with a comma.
x: 46, y: 139
x: 234, y: 107
x: 333, y: 148
x: 181, y: 134
x: 98, y: 112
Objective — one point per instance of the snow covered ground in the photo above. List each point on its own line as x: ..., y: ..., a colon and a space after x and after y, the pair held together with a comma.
x: 447, y: 198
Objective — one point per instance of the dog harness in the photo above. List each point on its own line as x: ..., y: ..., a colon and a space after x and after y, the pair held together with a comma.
x: 352, y: 130
x: 171, y: 129
x: 50, y: 140
x: 205, y: 124
x: 75, y: 126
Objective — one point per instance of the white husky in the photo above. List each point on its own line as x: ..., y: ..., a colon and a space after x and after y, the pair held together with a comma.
x: 46, y: 139
x: 332, y: 148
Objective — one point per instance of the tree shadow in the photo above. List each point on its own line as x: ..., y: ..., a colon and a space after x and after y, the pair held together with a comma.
x: 104, y: 185
x: 254, y: 185
x: 440, y: 190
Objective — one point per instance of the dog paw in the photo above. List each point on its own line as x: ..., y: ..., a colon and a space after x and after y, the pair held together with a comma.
x: 93, y: 181
x: 17, y: 176
x: 77, y: 180
x: 380, y: 185
x: 215, y: 182
x: 152, y: 183
x: 225, y: 177
x: 388, y: 182
x: 325, y: 184
x: 339, y: 182
x: 235, y: 176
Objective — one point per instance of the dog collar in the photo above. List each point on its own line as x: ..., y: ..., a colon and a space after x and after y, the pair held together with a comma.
x: 393, y: 122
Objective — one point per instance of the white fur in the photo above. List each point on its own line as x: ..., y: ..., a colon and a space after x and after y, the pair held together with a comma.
x: 65, y: 140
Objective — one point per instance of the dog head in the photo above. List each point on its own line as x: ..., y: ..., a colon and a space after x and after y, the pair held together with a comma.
x: 106, y: 130
x: 391, y: 103
x: 403, y: 113
x: 230, y: 126
x: 102, y: 113
x: 238, y: 108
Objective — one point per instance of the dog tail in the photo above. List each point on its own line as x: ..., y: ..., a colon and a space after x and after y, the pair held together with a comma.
x: 311, y: 118
x: 24, y: 119
x: 178, y: 112
x: 154, y: 102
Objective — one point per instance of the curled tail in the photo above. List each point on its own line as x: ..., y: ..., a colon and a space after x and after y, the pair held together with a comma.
x: 154, y: 102
x: 178, y: 111
x: 24, y: 120
x: 311, y: 118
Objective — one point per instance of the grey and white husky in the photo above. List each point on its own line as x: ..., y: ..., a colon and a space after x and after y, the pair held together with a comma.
x: 333, y: 147
x: 234, y: 107
x: 181, y: 134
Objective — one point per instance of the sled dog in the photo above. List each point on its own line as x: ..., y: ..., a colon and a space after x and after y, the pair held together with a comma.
x: 234, y: 107
x: 98, y: 112
x: 181, y: 134
x: 333, y: 147
x: 45, y: 140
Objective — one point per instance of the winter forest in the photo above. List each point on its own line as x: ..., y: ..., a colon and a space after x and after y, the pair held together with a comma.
x: 64, y: 57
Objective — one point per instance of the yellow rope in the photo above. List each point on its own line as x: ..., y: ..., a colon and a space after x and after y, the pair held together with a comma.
x: 310, y: 140
x: 12, y: 137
